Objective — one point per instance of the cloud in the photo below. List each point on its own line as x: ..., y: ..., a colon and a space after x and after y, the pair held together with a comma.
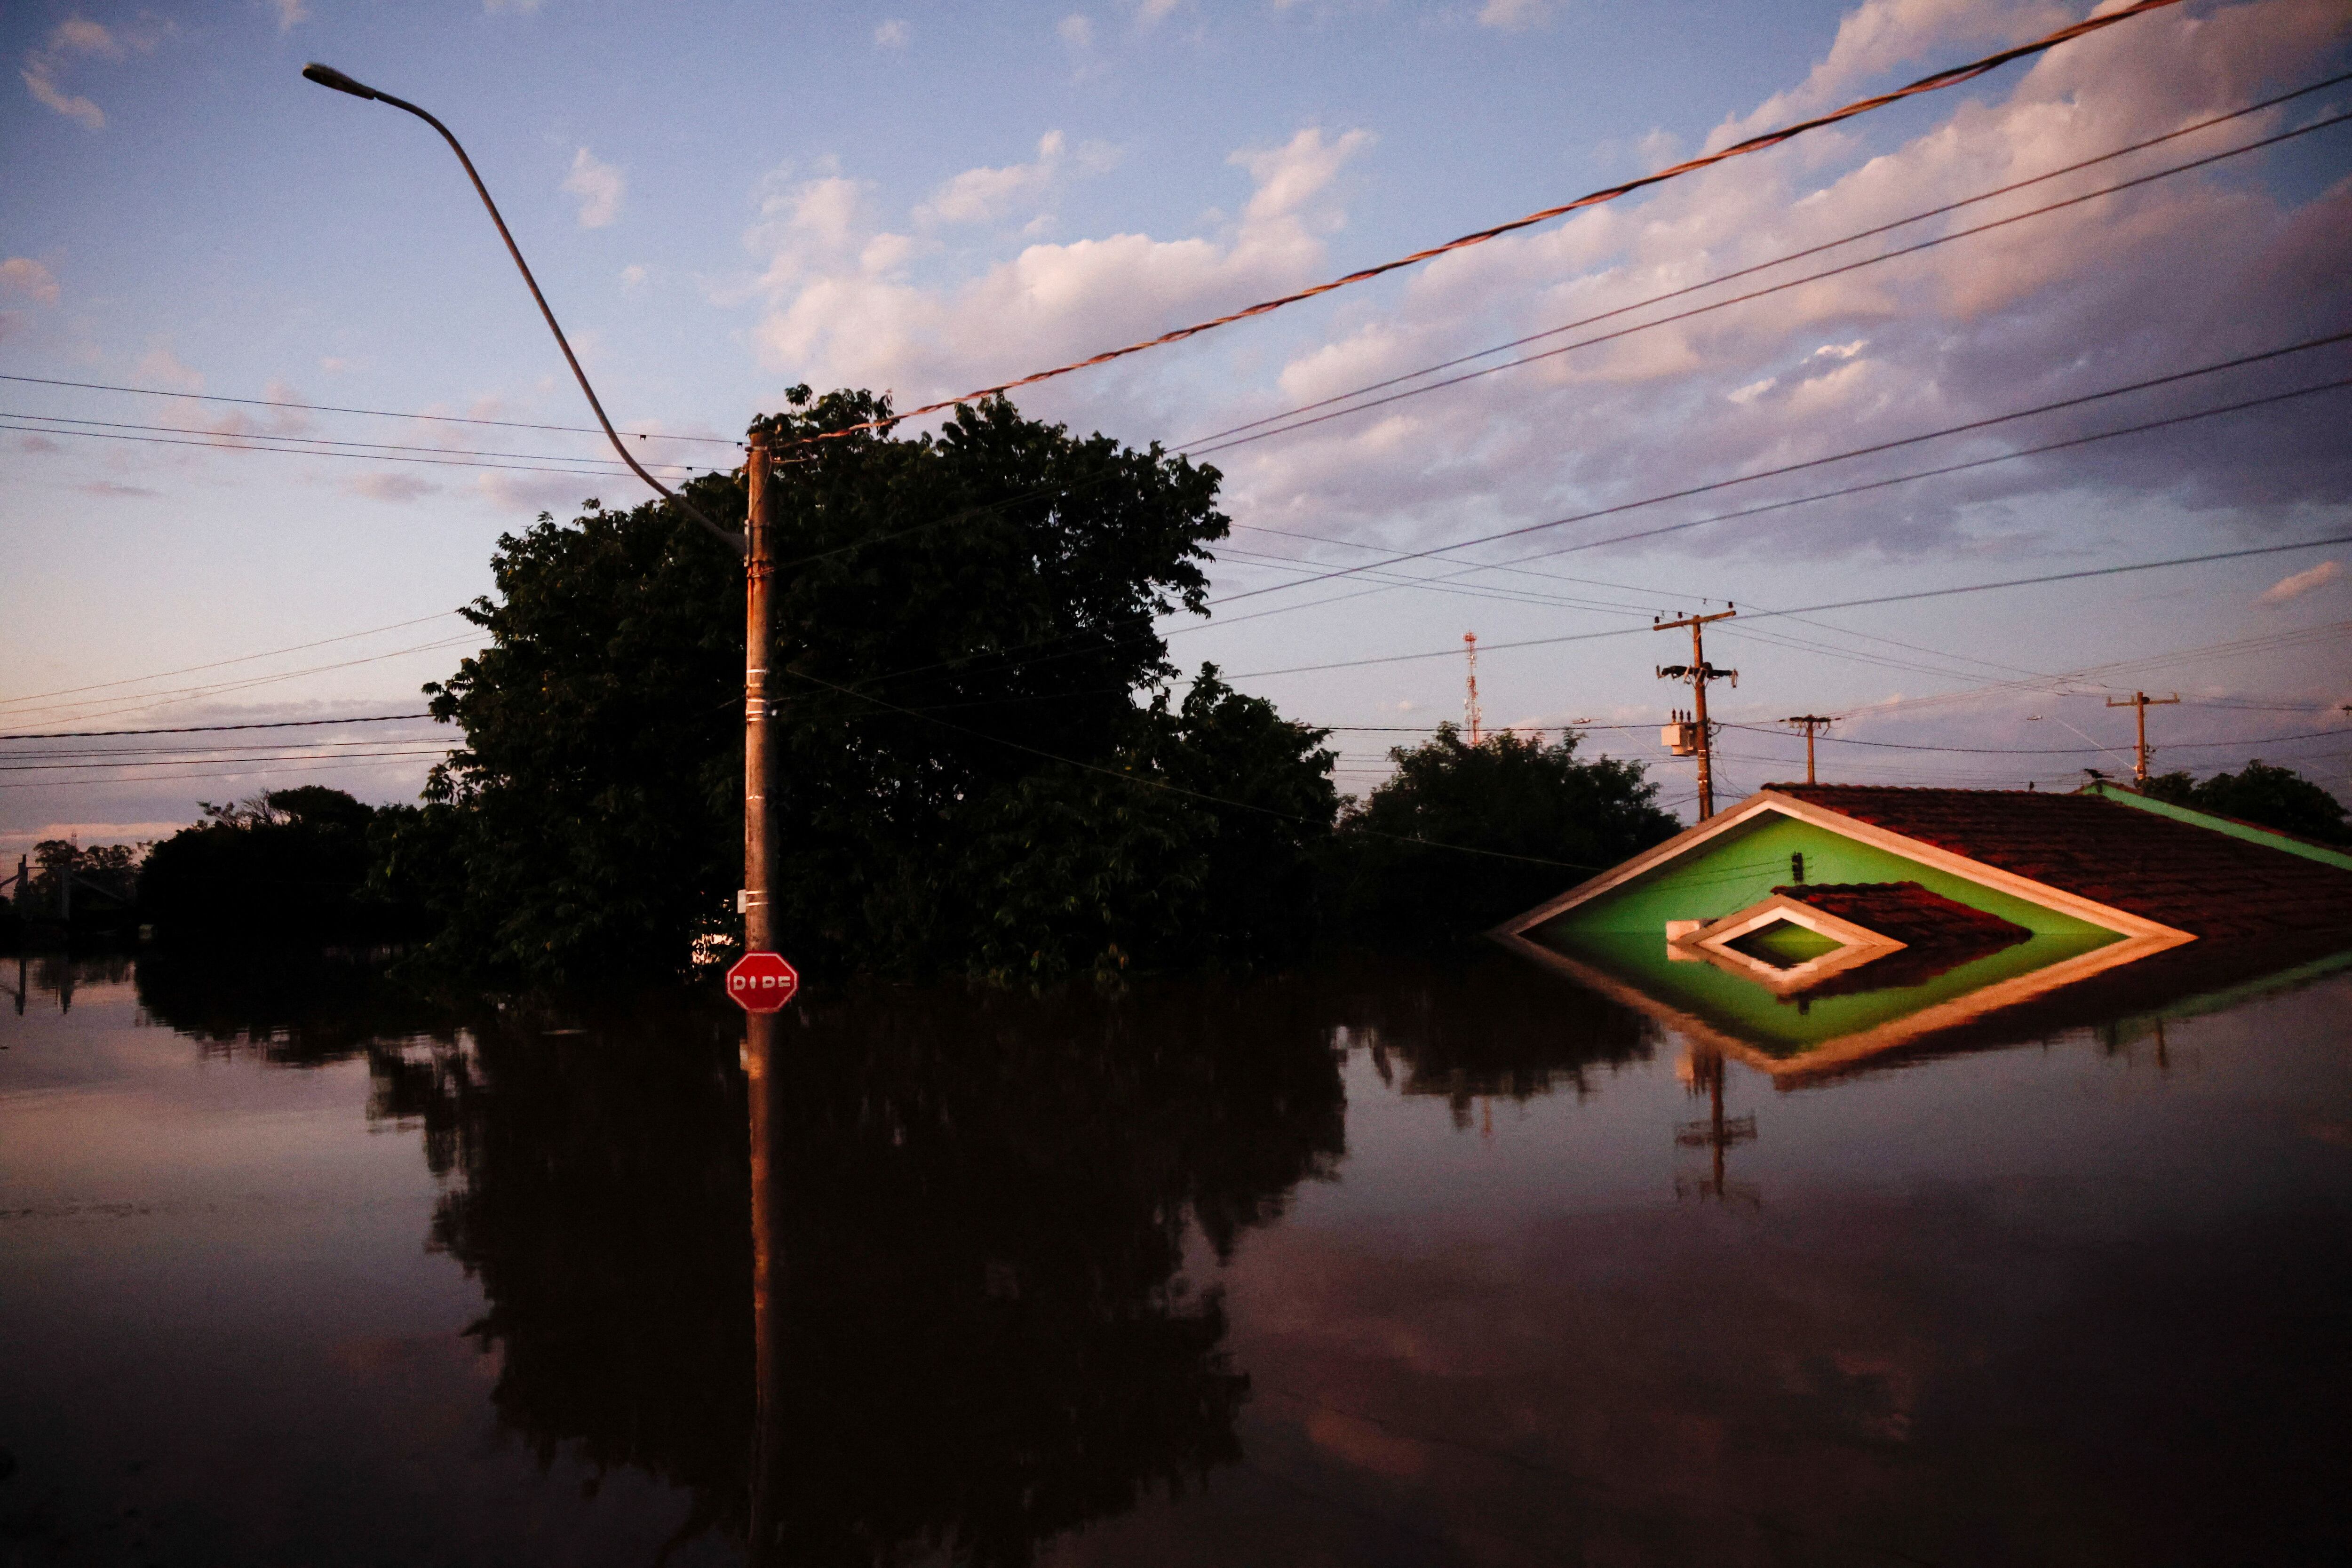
x: 632, y: 276
x: 113, y: 491
x: 26, y: 276
x: 290, y: 12
x: 840, y: 310
x: 38, y: 444
x: 893, y: 34
x: 1152, y: 11
x: 389, y: 487
x: 78, y: 36
x: 334, y: 364
x: 2288, y: 589
x: 1513, y: 15
x: 160, y: 365
x: 1077, y: 30
x: 977, y: 196
x: 599, y: 187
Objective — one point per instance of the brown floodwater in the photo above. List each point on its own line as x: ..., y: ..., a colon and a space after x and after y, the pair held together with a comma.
x: 1393, y: 1262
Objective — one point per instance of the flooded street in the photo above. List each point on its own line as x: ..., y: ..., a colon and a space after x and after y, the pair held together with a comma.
x: 1377, y: 1263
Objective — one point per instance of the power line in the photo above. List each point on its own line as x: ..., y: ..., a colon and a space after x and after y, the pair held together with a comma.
x: 218, y: 663
x: 1753, y: 294
x: 2040, y: 750
x: 1176, y: 788
x: 1951, y: 76
x: 206, y: 729
x: 1841, y: 604
x: 1745, y: 513
x: 14, y: 767
x: 243, y: 444
x: 371, y: 413
x: 1799, y: 256
x: 303, y: 442
x: 2238, y: 362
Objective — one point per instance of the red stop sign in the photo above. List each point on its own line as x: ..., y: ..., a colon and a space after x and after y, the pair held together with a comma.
x: 761, y: 982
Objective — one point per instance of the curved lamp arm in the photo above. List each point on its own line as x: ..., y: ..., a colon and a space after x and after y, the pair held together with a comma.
x: 328, y: 76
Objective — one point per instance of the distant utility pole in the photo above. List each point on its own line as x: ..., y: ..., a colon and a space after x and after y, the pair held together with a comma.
x: 1812, y: 722
x: 1470, y: 706
x: 1698, y: 672
x: 2142, y: 701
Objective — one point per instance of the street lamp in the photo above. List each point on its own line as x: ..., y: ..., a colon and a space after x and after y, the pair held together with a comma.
x: 759, y: 839
x: 759, y: 857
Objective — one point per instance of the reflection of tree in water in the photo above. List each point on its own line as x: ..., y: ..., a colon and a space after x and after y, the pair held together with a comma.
x: 986, y: 1197
x: 1487, y: 1027
x: 293, y: 1007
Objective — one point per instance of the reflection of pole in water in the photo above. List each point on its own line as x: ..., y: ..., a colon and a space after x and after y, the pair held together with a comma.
x: 1703, y: 1072
x: 765, y: 1084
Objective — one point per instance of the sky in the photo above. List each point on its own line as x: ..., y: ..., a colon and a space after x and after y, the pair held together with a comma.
x: 723, y: 201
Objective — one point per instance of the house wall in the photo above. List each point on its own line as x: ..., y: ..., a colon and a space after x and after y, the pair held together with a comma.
x: 1738, y: 868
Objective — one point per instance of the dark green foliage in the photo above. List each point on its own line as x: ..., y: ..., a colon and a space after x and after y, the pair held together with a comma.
x: 965, y: 631
x: 2263, y: 794
x: 289, y: 865
x: 1545, y: 821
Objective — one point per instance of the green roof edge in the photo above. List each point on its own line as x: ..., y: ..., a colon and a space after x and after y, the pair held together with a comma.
x: 2124, y: 794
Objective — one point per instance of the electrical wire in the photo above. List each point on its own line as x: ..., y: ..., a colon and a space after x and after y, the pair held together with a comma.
x: 1176, y: 788
x: 1840, y: 604
x: 201, y: 729
x: 219, y: 663
x: 2039, y: 751
x: 300, y: 443
x: 222, y: 444
x: 2238, y: 362
x: 1278, y: 429
x: 371, y: 413
x: 1951, y: 76
x: 1782, y: 259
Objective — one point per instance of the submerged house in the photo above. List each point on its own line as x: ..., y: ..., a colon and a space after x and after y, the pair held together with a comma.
x: 1813, y: 925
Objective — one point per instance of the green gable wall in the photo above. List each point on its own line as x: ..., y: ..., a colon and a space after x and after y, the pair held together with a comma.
x: 1742, y: 867
x: 1786, y: 1026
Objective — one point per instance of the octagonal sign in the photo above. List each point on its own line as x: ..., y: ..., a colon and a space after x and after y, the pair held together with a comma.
x: 761, y: 982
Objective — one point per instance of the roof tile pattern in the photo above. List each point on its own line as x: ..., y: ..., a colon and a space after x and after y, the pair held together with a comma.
x: 1908, y: 912
x: 2186, y: 877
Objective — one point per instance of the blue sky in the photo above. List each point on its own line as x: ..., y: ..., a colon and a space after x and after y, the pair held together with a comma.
x: 721, y: 201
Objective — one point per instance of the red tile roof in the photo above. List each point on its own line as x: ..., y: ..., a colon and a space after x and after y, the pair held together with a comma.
x: 1908, y: 912
x: 2190, y: 877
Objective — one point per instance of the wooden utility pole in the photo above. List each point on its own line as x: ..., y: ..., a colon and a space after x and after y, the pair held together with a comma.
x: 1471, y: 714
x: 1698, y: 672
x: 1812, y: 722
x: 2142, y: 701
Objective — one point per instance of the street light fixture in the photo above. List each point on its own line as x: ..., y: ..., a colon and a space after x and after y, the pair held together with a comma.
x: 759, y: 839
x: 759, y: 846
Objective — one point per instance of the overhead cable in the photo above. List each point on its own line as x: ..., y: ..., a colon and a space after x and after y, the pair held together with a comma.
x: 209, y: 729
x: 1839, y: 604
x: 1785, y: 259
x: 371, y: 413
x: 1951, y: 76
x: 1280, y: 427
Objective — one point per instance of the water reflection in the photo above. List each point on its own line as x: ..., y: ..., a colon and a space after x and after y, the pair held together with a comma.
x: 988, y: 1333
x: 1038, y: 1268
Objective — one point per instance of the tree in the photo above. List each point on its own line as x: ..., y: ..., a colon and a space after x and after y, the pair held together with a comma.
x: 1534, y: 819
x: 285, y: 864
x: 980, y: 767
x: 2263, y: 794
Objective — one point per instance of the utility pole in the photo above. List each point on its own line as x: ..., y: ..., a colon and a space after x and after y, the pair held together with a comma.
x: 1698, y: 672
x: 1812, y: 722
x: 2142, y: 701
x: 1470, y: 707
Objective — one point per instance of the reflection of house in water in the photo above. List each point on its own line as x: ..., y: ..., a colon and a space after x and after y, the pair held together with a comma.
x: 1812, y: 926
